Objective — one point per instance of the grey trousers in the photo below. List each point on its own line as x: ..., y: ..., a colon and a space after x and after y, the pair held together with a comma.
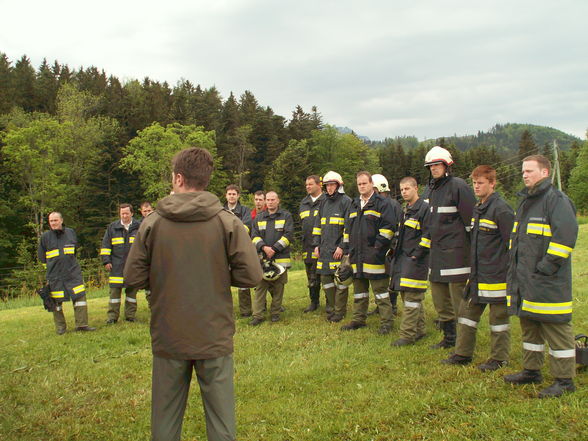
x: 170, y: 387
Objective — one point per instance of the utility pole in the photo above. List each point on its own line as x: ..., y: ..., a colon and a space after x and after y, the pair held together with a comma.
x: 556, y: 170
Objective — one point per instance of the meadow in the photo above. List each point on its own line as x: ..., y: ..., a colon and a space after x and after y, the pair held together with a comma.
x: 299, y: 379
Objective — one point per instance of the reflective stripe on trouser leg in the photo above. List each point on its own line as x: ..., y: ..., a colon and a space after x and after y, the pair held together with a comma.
x: 59, y: 318
x: 533, y: 344
x: 81, y: 312
x: 276, y: 289
x: 361, y: 299
x: 562, y: 350
x: 244, y: 301
x: 114, y: 303
x: 411, y: 314
x: 130, y: 302
x: 330, y: 288
x: 499, y: 332
x: 467, y: 325
x: 380, y: 290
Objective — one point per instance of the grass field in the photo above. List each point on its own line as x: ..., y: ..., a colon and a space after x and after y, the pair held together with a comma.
x: 300, y: 379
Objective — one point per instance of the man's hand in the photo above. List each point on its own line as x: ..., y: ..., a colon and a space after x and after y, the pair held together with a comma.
x: 316, y: 252
x: 338, y: 253
x: 269, y: 251
x: 108, y: 267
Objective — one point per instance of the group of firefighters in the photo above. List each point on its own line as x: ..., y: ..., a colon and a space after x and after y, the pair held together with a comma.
x: 472, y: 252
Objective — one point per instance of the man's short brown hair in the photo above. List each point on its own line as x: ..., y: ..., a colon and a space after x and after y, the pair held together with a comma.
x: 259, y: 193
x: 195, y: 165
x: 315, y: 178
x: 484, y: 171
x: 146, y: 204
x: 125, y: 205
x: 541, y: 160
x: 409, y: 180
x: 364, y: 173
x: 233, y: 187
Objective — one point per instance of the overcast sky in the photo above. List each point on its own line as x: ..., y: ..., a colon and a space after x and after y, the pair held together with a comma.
x: 427, y: 68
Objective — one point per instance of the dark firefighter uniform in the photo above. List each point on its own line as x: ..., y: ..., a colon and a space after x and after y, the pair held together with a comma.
x: 56, y: 252
x: 276, y: 231
x: 369, y: 232
x: 492, y: 223
x: 115, y: 247
x: 410, y: 268
x: 451, y: 203
x: 539, y: 281
x: 308, y: 212
x: 244, y: 214
x: 328, y: 231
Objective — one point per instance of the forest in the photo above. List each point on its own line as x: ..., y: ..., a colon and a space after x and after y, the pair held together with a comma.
x: 81, y: 141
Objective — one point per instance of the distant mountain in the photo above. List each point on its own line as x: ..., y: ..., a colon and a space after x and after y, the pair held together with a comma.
x: 347, y: 130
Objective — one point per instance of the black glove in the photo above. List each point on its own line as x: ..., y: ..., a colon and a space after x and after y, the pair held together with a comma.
x: 49, y: 302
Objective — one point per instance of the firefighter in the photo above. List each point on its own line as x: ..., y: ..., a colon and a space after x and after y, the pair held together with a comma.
x: 308, y: 212
x: 117, y: 241
x: 56, y: 251
x: 232, y: 194
x: 451, y: 202
x: 272, y: 234
x: 539, y: 279
x: 491, y: 226
x: 370, y: 227
x: 410, y: 264
x: 382, y: 187
x: 328, y: 241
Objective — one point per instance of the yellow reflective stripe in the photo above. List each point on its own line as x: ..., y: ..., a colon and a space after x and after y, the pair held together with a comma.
x: 315, y: 212
x: 354, y: 214
x: 51, y: 254
x: 386, y: 233
x: 284, y: 241
x: 547, y: 308
x: 487, y: 221
x: 354, y: 267
x: 283, y: 261
x: 345, y: 237
x: 78, y: 289
x: 246, y: 228
x: 57, y: 294
x: 262, y: 225
x: 372, y: 212
x: 509, y: 244
x: 508, y: 300
x: 280, y: 223
x: 323, y: 220
x: 319, y: 265
x: 132, y: 239
x: 334, y: 265
x: 492, y: 286
x: 413, y: 283
x: 488, y: 224
x: 542, y: 229
x: 115, y: 280
x: 336, y: 221
x: 316, y: 231
x: 69, y: 250
x: 105, y: 251
x: 425, y: 242
x: 557, y: 249
x: 117, y: 240
x: 413, y: 223
x: 514, y: 227
x: 256, y: 240
x: 373, y: 269
x: 304, y: 214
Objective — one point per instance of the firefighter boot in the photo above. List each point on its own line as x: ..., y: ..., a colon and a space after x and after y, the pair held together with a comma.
x: 449, y: 335
x: 314, y: 292
x: 526, y: 376
x: 558, y: 388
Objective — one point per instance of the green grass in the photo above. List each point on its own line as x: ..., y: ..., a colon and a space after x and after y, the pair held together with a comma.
x: 300, y: 379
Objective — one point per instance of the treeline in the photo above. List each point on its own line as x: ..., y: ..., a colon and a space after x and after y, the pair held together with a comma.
x: 81, y: 141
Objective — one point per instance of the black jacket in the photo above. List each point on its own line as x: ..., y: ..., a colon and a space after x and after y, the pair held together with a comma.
x: 276, y: 231
x: 57, y: 252
x: 539, y: 280
x: 413, y: 240
x: 116, y: 244
x: 328, y: 230
x: 308, y: 213
x: 492, y: 223
x: 451, y: 202
x: 369, y: 231
x: 243, y: 213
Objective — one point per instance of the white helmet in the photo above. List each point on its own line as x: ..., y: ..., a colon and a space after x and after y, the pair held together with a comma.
x: 380, y: 183
x: 272, y: 270
x: 438, y: 155
x: 332, y: 176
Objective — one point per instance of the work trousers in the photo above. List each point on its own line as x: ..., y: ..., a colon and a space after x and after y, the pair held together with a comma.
x: 447, y: 299
x: 244, y: 301
x: 313, y: 282
x: 467, y: 325
x: 130, y: 303
x: 276, y: 290
x: 559, y: 337
x: 336, y: 294
x: 170, y: 387
x: 412, y: 324
x: 80, y: 314
x: 361, y: 300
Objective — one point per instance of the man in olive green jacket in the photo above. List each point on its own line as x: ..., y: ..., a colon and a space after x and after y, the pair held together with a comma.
x: 189, y: 253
